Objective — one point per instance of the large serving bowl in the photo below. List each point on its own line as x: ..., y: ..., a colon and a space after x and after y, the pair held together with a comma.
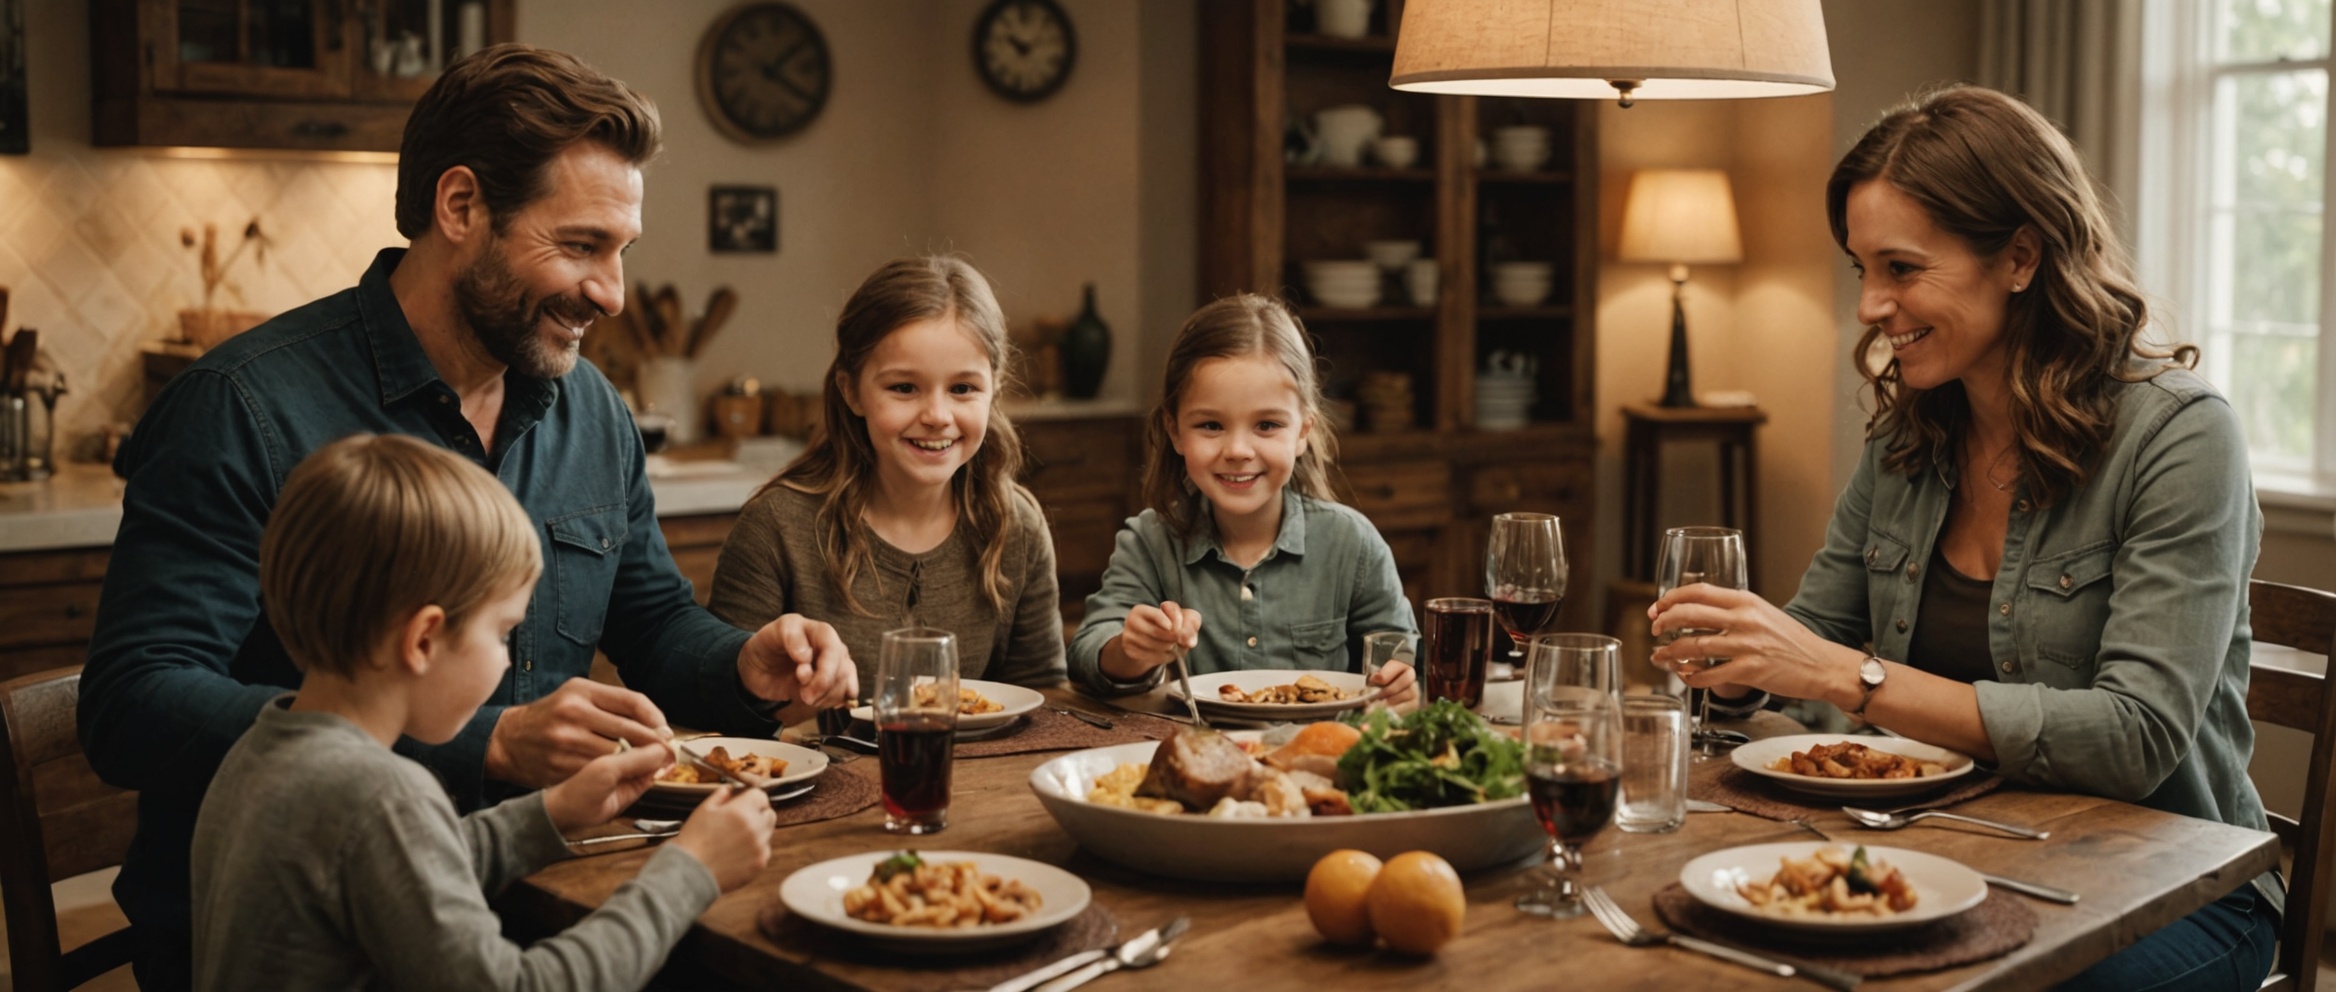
x: 1221, y: 850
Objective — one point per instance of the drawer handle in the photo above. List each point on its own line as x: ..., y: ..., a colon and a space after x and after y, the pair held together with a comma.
x: 72, y: 611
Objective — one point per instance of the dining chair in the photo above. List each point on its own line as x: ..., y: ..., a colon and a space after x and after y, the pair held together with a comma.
x: 2304, y: 619
x: 60, y: 822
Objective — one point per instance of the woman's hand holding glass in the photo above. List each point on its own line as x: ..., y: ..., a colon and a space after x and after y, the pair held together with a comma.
x: 1766, y: 648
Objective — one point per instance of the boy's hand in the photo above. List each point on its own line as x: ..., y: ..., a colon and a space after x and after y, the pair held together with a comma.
x: 541, y: 743
x: 730, y: 833
x: 1148, y: 640
x: 800, y: 660
x: 605, y: 786
x: 1400, y: 682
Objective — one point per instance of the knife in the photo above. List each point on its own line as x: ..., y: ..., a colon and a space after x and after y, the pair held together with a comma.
x: 1064, y: 966
x: 1143, y: 952
x: 2044, y: 892
x: 1099, y: 722
x: 700, y: 761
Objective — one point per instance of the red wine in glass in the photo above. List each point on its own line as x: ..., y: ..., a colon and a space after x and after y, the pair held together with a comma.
x: 1526, y: 612
x: 914, y: 759
x: 1456, y: 649
x: 1575, y: 802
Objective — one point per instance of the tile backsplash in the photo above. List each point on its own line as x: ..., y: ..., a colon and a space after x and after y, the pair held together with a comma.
x: 90, y: 254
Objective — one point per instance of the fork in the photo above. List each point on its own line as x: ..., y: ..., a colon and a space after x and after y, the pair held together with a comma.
x: 1619, y: 923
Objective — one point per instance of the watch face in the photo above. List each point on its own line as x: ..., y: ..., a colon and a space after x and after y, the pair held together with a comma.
x: 763, y: 71
x: 1024, y: 48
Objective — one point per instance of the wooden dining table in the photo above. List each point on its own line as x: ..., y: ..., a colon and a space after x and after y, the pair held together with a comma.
x: 2136, y: 869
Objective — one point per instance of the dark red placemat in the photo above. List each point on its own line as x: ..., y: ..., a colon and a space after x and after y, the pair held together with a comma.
x: 1997, y: 926
x: 1093, y: 928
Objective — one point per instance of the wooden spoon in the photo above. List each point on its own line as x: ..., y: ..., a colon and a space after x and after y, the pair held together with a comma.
x: 670, y: 328
x: 718, y: 312
x: 645, y: 304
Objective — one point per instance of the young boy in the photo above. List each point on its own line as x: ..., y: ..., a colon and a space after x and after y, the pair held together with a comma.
x: 394, y: 571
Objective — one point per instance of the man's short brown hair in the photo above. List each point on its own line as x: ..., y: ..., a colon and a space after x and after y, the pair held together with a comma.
x: 506, y: 112
x: 371, y: 528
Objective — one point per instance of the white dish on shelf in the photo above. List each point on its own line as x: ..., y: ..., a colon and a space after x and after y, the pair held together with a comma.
x: 1391, y: 254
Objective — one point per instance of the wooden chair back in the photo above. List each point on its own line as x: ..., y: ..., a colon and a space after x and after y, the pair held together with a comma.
x: 60, y: 822
x: 2304, y: 619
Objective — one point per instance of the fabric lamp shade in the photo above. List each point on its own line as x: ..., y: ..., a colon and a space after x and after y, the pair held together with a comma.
x: 1680, y: 216
x: 1644, y: 49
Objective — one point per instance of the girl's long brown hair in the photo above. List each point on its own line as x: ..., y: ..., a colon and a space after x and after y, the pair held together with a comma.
x: 1983, y: 166
x: 840, y: 461
x: 1233, y: 327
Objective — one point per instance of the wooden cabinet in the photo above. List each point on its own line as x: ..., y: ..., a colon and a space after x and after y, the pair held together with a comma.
x: 48, y: 608
x: 696, y: 543
x: 1430, y: 480
x: 324, y: 75
x: 1085, y: 473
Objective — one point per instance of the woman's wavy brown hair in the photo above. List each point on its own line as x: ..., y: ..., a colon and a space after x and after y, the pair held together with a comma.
x: 1983, y: 166
x: 1233, y: 327
x: 840, y: 462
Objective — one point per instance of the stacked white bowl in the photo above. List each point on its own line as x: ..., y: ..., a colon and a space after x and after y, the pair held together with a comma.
x: 1503, y: 400
x: 1522, y: 284
x: 1392, y: 254
x: 1345, y: 284
x: 1520, y: 149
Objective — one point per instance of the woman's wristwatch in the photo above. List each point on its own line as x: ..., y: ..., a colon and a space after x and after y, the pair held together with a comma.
x: 1870, y: 675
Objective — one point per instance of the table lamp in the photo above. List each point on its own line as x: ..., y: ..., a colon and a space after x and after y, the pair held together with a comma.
x: 1681, y: 217
x: 1637, y: 49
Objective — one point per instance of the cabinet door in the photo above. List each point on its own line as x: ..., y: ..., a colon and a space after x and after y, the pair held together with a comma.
x: 289, y: 49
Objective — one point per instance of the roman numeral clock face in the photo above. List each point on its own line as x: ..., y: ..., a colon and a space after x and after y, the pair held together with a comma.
x: 1024, y: 48
x: 763, y: 71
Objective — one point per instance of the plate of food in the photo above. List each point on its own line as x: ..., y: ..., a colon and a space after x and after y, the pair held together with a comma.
x: 775, y: 766
x: 1244, y: 806
x: 980, y: 705
x: 1793, y: 886
x: 1276, y: 694
x: 954, y: 901
x: 1842, y: 767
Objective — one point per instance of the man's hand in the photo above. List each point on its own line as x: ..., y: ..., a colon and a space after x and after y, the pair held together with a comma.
x: 604, y: 787
x: 542, y: 743
x: 800, y: 660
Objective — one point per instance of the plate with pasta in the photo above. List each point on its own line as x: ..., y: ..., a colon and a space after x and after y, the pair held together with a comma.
x: 774, y: 764
x: 1839, y: 766
x: 1828, y: 888
x: 953, y: 901
x: 981, y: 705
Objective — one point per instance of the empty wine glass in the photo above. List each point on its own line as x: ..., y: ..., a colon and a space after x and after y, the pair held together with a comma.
x: 1573, y: 755
x: 1713, y: 556
x: 1524, y: 573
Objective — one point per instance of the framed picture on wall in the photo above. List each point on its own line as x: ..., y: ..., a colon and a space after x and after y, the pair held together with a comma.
x: 738, y: 218
x: 15, y: 134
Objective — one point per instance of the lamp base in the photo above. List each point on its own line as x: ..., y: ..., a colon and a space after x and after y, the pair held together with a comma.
x: 1676, y: 389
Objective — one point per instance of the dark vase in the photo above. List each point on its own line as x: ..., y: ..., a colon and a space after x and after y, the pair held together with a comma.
x: 1086, y: 351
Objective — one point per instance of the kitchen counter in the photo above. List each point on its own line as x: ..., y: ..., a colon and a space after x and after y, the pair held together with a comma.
x: 81, y: 506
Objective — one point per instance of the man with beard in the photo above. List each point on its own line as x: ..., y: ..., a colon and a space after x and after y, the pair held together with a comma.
x: 519, y: 185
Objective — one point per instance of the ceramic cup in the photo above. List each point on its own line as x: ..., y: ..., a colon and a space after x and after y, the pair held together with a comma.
x: 1420, y: 278
x: 1343, y: 18
x: 1345, y: 131
x: 1396, y: 151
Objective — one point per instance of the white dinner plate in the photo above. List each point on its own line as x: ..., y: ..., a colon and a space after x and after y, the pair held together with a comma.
x: 803, y: 765
x: 1207, y: 848
x: 816, y: 893
x: 1757, y: 756
x: 1015, y: 699
x: 1943, y: 887
x: 1205, y: 687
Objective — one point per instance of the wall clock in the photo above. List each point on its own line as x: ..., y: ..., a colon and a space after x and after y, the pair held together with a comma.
x: 763, y: 71
x: 1024, y: 48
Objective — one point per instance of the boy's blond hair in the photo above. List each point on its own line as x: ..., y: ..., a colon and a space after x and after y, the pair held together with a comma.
x: 371, y: 528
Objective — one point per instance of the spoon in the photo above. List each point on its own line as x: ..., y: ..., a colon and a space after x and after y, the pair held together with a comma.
x: 1885, y: 821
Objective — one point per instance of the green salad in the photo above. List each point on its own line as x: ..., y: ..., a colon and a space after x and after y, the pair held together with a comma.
x: 1441, y: 755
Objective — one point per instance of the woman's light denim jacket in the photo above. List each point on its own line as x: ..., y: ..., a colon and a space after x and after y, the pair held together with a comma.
x: 2118, y: 624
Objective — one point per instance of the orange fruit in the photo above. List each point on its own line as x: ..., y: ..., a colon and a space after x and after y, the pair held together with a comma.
x: 1325, y: 738
x: 1416, y: 903
x: 1336, y: 893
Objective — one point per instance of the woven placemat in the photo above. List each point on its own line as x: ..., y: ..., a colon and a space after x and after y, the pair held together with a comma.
x: 1995, y: 927
x: 1093, y: 928
x: 1052, y: 731
x: 1734, y: 787
x: 839, y: 793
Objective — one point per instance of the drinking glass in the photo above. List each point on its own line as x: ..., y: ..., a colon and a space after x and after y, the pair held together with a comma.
x: 1573, y: 755
x: 1524, y: 573
x: 916, y: 727
x: 1381, y: 647
x: 1713, y: 556
x: 1654, y: 764
x: 1458, y: 642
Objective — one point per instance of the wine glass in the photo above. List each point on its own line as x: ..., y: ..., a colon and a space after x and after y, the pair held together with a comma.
x: 1573, y: 755
x: 1524, y: 573
x: 1713, y: 556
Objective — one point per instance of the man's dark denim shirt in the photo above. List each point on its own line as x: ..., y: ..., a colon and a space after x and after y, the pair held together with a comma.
x: 183, y: 657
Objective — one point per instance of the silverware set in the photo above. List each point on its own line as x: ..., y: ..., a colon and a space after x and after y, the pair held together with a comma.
x: 1627, y: 930
x: 1142, y: 951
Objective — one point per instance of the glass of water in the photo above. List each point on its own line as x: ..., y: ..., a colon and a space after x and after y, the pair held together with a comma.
x: 1654, y: 764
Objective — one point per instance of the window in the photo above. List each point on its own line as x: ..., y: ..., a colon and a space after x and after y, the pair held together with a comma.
x: 2232, y: 233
